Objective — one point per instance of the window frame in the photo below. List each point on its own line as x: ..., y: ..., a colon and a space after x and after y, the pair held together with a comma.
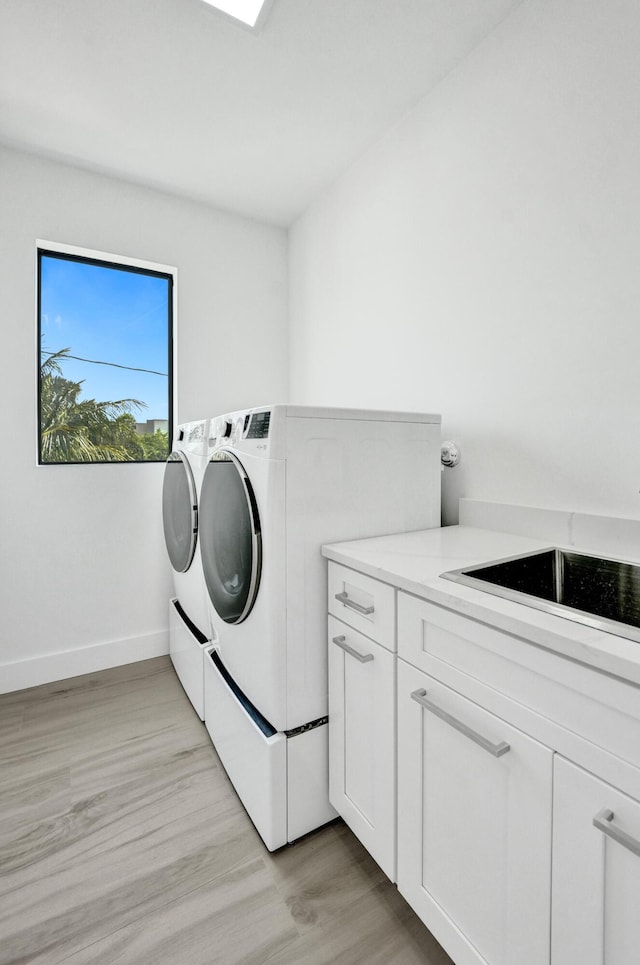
x: 109, y: 260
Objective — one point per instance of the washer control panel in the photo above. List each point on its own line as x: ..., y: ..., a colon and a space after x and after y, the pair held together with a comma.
x: 256, y: 425
x: 234, y: 428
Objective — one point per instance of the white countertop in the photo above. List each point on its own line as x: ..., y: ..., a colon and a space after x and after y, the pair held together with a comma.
x: 414, y: 562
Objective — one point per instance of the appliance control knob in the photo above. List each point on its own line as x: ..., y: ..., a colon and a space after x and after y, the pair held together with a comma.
x: 227, y: 430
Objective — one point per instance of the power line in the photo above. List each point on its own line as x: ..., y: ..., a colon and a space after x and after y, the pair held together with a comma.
x: 114, y: 365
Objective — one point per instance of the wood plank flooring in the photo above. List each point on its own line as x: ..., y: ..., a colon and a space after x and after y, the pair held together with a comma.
x: 123, y: 841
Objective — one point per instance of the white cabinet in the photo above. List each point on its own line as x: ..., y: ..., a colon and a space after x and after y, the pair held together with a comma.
x: 474, y: 825
x: 596, y: 871
x: 362, y: 691
x: 473, y: 764
x: 362, y: 740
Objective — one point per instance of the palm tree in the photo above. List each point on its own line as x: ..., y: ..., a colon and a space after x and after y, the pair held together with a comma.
x: 82, y: 430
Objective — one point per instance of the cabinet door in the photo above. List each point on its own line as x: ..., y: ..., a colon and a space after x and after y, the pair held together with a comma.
x: 474, y: 826
x: 596, y: 871
x: 362, y: 739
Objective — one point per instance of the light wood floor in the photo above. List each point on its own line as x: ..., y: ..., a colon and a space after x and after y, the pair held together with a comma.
x: 122, y: 841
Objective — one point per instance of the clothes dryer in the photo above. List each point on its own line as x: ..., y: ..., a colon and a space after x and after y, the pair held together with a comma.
x: 189, y: 626
x: 281, y: 481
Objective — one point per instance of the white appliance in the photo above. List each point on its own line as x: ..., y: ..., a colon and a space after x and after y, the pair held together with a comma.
x: 189, y: 626
x: 281, y: 481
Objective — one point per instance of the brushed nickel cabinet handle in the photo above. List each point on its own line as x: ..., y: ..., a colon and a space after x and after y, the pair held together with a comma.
x: 603, y: 821
x: 344, y: 598
x: 420, y: 696
x: 362, y: 657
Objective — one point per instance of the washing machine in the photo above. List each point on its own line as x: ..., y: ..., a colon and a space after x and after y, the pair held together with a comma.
x: 189, y: 623
x: 280, y: 481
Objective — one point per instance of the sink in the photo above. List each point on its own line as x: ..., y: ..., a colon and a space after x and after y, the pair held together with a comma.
x: 599, y: 592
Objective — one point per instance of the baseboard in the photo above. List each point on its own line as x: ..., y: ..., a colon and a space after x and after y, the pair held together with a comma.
x: 48, y: 667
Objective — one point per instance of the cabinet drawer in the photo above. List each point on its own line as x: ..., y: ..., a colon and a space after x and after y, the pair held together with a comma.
x: 363, y: 603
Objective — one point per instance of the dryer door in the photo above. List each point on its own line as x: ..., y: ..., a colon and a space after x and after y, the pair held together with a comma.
x: 179, y: 511
x: 230, y: 538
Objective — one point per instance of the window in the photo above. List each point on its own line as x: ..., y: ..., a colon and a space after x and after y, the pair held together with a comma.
x: 105, y: 366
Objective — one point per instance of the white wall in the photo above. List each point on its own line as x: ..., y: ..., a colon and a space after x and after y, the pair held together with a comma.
x: 85, y: 582
x: 482, y: 261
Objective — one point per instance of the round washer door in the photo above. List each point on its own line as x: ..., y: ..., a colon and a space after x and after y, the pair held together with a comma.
x: 230, y: 539
x: 179, y: 511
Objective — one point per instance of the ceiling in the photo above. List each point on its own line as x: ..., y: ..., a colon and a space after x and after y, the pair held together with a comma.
x: 178, y: 96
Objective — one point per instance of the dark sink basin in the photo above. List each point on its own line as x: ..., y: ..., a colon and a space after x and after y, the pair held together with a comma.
x: 600, y: 592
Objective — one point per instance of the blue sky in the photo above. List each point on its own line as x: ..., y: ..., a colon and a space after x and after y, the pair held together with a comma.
x: 108, y: 315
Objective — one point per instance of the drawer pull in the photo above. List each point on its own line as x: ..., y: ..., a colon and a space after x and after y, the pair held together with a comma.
x: 362, y: 657
x: 344, y: 598
x: 603, y: 821
x: 420, y: 696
